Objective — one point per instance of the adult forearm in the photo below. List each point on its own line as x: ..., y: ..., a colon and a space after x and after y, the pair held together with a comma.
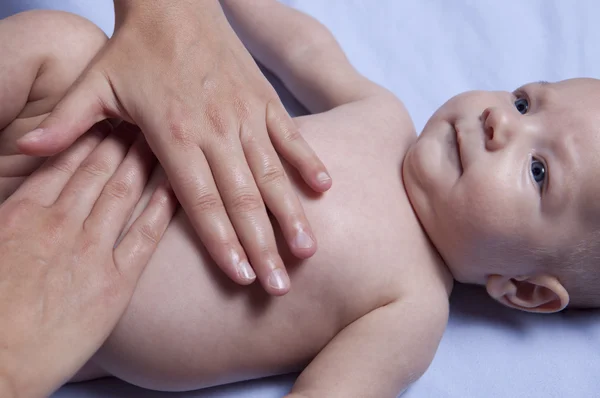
x: 182, y: 18
x: 275, y: 32
x: 124, y: 6
x: 291, y: 44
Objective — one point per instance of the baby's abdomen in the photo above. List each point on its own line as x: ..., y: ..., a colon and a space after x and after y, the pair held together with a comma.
x: 188, y: 327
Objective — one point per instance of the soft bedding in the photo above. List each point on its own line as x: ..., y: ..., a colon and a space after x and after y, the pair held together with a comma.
x: 426, y: 51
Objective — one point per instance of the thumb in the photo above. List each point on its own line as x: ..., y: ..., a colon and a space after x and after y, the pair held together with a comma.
x: 76, y: 113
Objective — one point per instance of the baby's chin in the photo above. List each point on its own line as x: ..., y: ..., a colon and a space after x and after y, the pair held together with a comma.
x: 420, y: 182
x: 431, y: 166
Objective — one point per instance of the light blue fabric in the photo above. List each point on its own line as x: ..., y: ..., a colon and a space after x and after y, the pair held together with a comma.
x: 98, y: 11
x: 426, y: 51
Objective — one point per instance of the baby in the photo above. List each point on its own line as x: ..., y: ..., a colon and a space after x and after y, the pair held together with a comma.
x: 495, y: 179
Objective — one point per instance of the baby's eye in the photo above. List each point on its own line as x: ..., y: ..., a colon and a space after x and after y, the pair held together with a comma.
x: 538, y: 172
x: 522, y: 105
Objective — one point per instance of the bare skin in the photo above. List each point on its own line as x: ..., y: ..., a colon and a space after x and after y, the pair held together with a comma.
x: 371, y: 305
x: 367, y: 312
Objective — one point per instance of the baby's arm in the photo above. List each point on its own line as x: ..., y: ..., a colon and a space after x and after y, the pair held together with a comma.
x: 43, y: 52
x: 301, y: 52
x: 378, y: 355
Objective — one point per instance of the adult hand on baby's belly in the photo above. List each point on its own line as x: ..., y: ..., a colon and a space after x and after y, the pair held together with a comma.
x: 213, y: 121
x: 65, y: 279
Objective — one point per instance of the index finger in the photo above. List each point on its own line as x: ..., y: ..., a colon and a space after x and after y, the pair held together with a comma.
x: 46, y: 183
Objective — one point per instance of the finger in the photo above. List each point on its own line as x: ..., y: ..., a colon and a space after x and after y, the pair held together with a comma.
x: 249, y: 217
x: 47, y: 182
x: 19, y: 165
x: 139, y: 243
x: 157, y: 178
x: 83, y: 189
x: 279, y: 195
x: 81, y: 108
x: 192, y: 180
x: 8, y: 185
x: 121, y: 193
x: 288, y: 141
x: 14, y: 131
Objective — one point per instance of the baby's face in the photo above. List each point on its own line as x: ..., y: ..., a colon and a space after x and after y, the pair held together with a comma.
x: 494, y: 173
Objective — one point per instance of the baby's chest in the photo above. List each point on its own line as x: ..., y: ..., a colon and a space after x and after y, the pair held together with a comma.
x: 358, y: 269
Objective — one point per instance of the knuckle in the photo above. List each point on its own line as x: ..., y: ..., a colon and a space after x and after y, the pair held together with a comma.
x: 149, y: 234
x: 248, y: 137
x: 117, y: 189
x: 59, y: 218
x: 96, y: 167
x: 244, y: 201
x: 242, y: 108
x: 216, y: 120
x: 180, y: 132
x: 206, y: 201
x: 271, y: 174
x: 290, y: 133
x: 178, y: 124
x: 63, y: 164
x: 54, y: 228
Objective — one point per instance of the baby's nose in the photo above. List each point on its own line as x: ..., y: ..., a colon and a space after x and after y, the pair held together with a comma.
x: 499, y: 128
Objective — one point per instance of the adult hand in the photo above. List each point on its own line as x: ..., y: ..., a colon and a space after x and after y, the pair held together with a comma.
x: 64, y: 279
x: 177, y: 70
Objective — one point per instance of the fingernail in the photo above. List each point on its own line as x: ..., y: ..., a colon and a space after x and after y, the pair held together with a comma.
x: 245, y: 271
x: 323, y: 177
x: 33, y: 135
x: 278, y: 279
x: 303, y: 240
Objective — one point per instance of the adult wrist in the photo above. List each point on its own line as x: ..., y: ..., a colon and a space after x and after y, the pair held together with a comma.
x: 126, y: 6
x: 167, y: 11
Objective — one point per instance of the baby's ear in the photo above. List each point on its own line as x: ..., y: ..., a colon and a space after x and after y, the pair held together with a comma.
x: 540, y: 293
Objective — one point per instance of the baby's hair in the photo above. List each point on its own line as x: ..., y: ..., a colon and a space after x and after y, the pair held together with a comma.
x: 578, y: 269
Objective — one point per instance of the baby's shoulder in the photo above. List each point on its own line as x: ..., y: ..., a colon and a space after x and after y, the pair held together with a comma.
x: 379, y: 120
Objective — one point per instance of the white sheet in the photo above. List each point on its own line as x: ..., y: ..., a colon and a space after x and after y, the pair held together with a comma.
x: 426, y: 51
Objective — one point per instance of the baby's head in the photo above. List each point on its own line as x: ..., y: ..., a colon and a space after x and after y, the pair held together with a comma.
x: 506, y: 186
